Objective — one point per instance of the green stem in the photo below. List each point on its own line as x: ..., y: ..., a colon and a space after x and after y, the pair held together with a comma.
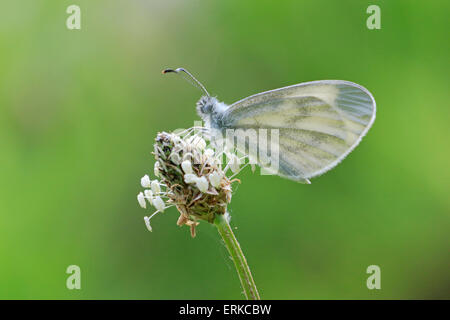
x: 242, y: 268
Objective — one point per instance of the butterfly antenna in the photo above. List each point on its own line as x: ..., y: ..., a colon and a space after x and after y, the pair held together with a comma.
x: 183, y: 72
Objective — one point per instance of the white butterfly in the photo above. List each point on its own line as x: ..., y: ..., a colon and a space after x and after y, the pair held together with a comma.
x: 319, y: 122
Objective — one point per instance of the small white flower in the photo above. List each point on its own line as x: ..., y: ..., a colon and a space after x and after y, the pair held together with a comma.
x: 145, y: 181
x: 198, y: 142
x: 155, y: 187
x: 190, y: 178
x: 187, y: 166
x: 176, y: 139
x: 201, y: 143
x: 234, y: 163
x: 175, y: 157
x: 188, y: 156
x: 141, y: 200
x: 158, y: 203
x: 147, y: 223
x: 209, y: 152
x: 156, y: 169
x: 148, y: 195
x: 215, y: 179
x: 202, y: 184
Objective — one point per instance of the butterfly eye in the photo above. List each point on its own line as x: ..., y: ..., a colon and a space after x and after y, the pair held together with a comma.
x: 206, y: 108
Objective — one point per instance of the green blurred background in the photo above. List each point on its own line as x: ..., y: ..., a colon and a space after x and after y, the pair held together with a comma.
x: 79, y: 110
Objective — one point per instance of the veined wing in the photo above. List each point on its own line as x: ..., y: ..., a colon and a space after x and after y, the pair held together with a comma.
x: 319, y: 123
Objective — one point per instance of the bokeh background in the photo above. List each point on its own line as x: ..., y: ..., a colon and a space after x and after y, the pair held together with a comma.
x: 79, y: 110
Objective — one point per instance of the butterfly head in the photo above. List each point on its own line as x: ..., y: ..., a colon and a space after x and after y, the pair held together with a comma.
x: 212, y: 112
x: 205, y: 106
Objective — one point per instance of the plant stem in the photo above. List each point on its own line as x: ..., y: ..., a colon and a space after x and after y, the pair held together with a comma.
x: 242, y: 268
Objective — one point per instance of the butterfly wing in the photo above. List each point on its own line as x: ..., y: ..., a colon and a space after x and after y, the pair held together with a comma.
x: 319, y: 123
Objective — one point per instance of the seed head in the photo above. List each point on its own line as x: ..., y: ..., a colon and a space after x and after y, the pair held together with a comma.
x: 190, y: 177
